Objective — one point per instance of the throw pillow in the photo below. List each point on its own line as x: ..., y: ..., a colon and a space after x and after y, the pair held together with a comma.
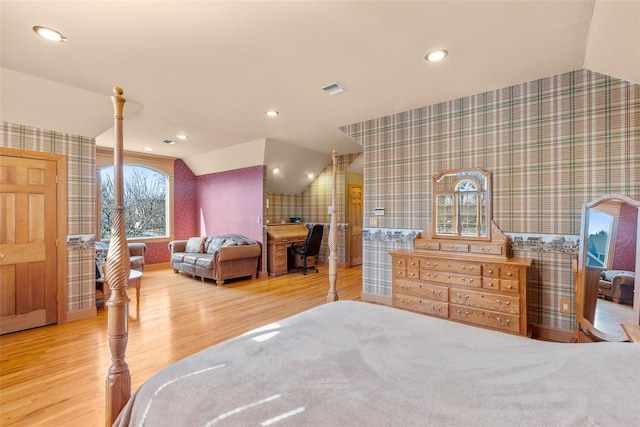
x: 195, y: 244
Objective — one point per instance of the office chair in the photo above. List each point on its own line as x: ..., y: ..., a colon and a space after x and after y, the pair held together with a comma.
x: 310, y: 248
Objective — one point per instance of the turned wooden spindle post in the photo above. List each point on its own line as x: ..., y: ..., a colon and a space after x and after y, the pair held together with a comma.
x: 333, y: 236
x: 118, y: 383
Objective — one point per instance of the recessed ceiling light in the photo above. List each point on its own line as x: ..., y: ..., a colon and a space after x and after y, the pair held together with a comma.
x: 148, y: 149
x: 310, y: 176
x: 436, y: 55
x: 276, y: 170
x: 182, y: 136
x: 272, y: 113
x: 50, y: 34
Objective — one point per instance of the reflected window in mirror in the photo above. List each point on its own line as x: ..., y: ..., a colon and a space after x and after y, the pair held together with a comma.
x: 462, y: 204
x: 599, y: 240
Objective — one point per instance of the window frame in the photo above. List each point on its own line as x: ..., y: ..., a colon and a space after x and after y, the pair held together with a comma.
x: 162, y: 164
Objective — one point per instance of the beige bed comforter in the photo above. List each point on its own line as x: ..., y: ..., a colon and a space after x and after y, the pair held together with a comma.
x: 357, y: 364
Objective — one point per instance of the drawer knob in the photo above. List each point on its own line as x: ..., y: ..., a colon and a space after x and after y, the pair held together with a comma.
x: 490, y: 271
x: 507, y: 303
x: 509, y: 287
x: 506, y: 322
x: 509, y: 274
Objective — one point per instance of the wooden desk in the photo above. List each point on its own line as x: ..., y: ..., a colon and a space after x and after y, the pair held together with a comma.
x: 134, y: 281
x: 279, y: 238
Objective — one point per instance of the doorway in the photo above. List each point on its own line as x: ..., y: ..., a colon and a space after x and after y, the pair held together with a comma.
x: 29, y: 253
x: 355, y: 224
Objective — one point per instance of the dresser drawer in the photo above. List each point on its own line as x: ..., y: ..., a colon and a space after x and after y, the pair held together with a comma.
x: 509, y: 285
x: 505, y: 322
x: 408, y: 302
x: 486, y: 249
x: 412, y: 273
x: 460, y: 279
x: 426, y: 244
x: 482, y: 300
x: 399, y: 261
x: 452, y: 266
x: 454, y: 247
x: 491, y: 270
x: 424, y: 290
x: 509, y: 272
x: 399, y: 272
x: 413, y: 262
x: 490, y: 283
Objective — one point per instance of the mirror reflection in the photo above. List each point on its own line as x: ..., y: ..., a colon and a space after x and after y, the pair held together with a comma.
x: 610, y: 261
x: 462, y: 204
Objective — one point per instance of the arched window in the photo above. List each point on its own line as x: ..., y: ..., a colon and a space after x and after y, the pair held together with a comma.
x: 147, y: 195
x: 145, y: 202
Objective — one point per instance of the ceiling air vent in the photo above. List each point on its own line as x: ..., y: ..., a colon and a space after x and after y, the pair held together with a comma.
x: 334, y: 88
x: 168, y: 141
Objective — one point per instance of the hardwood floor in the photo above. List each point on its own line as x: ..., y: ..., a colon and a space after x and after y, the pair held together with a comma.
x: 55, y: 375
x: 609, y: 316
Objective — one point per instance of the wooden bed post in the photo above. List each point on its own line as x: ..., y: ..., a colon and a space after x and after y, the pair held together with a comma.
x: 118, y: 383
x: 333, y: 235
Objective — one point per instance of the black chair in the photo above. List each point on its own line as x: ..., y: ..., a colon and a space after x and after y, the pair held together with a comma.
x: 310, y: 248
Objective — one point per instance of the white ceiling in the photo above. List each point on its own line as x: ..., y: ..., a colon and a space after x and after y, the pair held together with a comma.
x: 211, y: 69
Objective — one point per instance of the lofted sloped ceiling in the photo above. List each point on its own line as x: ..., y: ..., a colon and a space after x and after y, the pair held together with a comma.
x: 211, y: 69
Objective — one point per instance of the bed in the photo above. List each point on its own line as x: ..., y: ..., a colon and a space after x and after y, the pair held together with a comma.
x: 360, y: 364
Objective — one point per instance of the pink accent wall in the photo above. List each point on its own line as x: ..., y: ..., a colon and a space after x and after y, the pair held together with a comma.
x: 624, y: 257
x: 231, y: 202
x: 185, y: 211
x: 185, y: 206
x: 157, y: 253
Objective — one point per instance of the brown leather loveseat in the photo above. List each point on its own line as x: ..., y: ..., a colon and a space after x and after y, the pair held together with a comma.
x: 217, y: 257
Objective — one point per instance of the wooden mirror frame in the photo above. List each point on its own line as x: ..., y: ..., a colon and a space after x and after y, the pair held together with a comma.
x: 482, y: 179
x: 585, y: 330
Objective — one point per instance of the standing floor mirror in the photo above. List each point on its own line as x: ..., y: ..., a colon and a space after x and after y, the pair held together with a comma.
x: 608, y: 282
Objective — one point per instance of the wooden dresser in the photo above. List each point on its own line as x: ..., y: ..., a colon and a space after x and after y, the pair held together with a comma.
x: 279, y: 238
x: 468, y: 281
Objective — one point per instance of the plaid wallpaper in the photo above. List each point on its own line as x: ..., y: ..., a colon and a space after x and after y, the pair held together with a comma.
x: 551, y: 144
x: 81, y: 184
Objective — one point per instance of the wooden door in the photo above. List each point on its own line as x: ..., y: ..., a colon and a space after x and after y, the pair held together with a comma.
x: 28, y: 254
x: 355, y: 224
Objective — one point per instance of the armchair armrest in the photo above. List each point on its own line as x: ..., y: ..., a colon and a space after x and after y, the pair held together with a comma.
x: 137, y: 249
x: 177, y: 246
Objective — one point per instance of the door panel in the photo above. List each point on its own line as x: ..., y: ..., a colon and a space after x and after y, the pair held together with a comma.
x: 355, y: 224
x: 28, y: 256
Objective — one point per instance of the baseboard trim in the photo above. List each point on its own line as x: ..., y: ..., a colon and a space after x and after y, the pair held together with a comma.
x: 378, y: 299
x: 550, y: 333
x: 159, y: 266
x: 85, y: 313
